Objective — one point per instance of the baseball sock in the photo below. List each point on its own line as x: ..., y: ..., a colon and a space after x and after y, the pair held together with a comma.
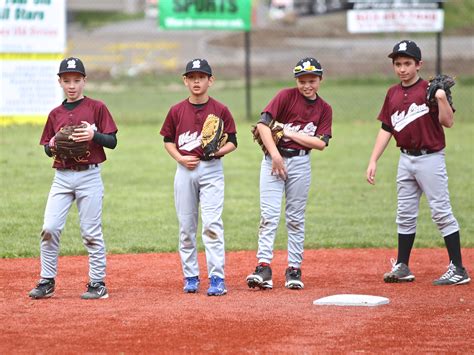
x: 405, y: 244
x: 453, y: 244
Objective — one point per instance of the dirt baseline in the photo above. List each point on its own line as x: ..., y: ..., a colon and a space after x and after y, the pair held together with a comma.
x: 147, y: 312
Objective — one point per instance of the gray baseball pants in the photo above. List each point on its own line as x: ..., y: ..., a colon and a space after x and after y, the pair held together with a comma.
x: 296, y: 189
x: 424, y: 174
x: 87, y: 189
x: 202, y: 186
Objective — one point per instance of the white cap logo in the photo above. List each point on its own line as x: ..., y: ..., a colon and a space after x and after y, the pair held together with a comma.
x: 402, y: 46
x: 71, y: 64
x: 306, y: 64
x: 197, y: 64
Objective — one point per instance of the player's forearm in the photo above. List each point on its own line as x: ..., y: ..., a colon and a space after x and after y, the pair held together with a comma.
x: 267, y: 139
x: 445, y: 112
x: 311, y: 142
x: 105, y: 140
x: 173, y: 151
x: 226, y: 149
x: 381, y: 143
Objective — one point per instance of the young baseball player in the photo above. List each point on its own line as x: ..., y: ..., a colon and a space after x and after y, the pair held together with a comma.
x: 286, y: 169
x: 417, y: 127
x: 76, y: 179
x: 199, y: 180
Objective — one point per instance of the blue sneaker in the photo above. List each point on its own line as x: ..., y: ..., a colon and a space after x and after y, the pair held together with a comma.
x: 217, y: 287
x: 191, y: 284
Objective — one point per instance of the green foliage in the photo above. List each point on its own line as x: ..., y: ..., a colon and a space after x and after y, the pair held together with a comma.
x: 139, y: 213
x: 94, y: 19
x: 459, y: 15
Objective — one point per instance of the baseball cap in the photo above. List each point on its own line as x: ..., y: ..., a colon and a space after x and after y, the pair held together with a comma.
x: 308, y: 65
x: 198, y: 65
x: 72, y: 65
x: 406, y: 48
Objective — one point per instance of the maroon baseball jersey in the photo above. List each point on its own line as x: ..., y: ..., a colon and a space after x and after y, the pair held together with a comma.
x: 414, y: 124
x: 93, y: 111
x: 184, y: 122
x: 298, y: 114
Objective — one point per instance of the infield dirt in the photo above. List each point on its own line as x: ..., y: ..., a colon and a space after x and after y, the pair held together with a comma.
x: 147, y: 312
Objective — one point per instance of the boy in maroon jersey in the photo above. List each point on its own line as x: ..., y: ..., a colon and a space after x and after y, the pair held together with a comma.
x: 286, y: 169
x: 199, y: 180
x: 417, y: 127
x: 76, y: 180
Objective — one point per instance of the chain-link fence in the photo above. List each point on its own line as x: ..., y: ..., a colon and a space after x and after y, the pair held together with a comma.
x: 277, y: 41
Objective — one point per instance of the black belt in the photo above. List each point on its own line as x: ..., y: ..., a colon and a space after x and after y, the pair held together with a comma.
x: 289, y: 153
x: 80, y: 167
x: 417, y: 152
x: 203, y: 158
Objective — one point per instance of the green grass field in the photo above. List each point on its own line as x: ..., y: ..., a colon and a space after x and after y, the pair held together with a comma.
x: 139, y: 214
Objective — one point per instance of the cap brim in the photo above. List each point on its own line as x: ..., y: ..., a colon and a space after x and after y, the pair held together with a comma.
x: 404, y: 54
x: 308, y: 72
x: 71, y: 71
x: 197, y: 71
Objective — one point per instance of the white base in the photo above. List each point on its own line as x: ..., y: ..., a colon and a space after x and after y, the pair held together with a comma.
x: 351, y: 300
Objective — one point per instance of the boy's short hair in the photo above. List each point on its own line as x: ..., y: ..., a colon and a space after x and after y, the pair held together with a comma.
x: 406, y: 48
x: 308, y: 65
x: 71, y: 65
x: 198, y: 65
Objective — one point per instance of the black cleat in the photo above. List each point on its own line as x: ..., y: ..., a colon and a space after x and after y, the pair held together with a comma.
x: 399, y: 273
x: 44, y: 289
x: 293, y: 278
x: 95, y: 290
x: 454, y: 276
x: 262, y: 277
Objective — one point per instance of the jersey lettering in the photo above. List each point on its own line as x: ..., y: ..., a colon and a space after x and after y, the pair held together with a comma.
x: 189, y: 141
x: 402, y: 119
x: 309, y: 129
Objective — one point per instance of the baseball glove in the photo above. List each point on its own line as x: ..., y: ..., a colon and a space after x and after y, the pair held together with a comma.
x: 277, y: 133
x: 441, y: 81
x: 213, y: 137
x: 64, y: 148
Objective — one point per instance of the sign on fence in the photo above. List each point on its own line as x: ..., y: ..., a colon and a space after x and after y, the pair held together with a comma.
x: 372, y: 16
x: 32, y: 40
x: 32, y: 26
x: 234, y: 15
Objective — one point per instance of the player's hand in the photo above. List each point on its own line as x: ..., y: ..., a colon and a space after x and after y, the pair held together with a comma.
x: 83, y: 134
x: 278, y: 166
x: 51, y: 142
x: 188, y: 161
x: 440, y: 94
x: 371, y: 169
x: 288, y: 133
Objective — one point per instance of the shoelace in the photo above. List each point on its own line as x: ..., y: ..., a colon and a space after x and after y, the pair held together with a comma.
x: 44, y: 284
x: 395, y: 266
x: 450, y: 273
x: 93, y: 286
x: 294, y: 272
x: 192, y: 281
x: 215, y: 281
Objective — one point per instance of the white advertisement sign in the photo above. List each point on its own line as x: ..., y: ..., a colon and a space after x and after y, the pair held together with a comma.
x: 29, y: 89
x: 395, y: 20
x: 32, y: 26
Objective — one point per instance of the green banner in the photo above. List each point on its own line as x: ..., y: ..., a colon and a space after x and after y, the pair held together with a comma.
x: 231, y: 15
